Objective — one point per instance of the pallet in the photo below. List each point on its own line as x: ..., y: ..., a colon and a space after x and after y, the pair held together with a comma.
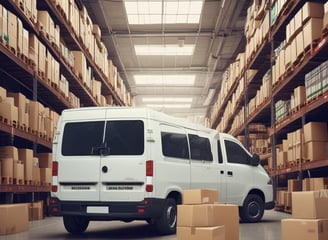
x: 18, y: 181
x: 6, y: 180
x: 28, y: 182
x: 42, y: 75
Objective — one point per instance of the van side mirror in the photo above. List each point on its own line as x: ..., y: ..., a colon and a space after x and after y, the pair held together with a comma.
x: 255, y: 160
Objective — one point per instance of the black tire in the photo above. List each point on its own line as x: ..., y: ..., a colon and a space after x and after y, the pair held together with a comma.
x: 75, y: 224
x: 253, y: 209
x: 167, y: 223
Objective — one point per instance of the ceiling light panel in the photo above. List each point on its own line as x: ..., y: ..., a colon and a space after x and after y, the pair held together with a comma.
x: 161, y: 106
x: 167, y: 12
x: 165, y: 80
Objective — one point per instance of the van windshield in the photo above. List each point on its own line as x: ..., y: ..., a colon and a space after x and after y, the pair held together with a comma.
x: 87, y: 138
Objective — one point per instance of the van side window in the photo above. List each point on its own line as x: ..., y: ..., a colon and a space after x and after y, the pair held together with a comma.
x: 235, y: 153
x: 220, y: 152
x: 80, y: 137
x: 175, y: 145
x: 125, y: 137
x: 200, y: 148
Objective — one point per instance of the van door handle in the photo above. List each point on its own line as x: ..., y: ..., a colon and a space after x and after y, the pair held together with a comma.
x: 230, y: 173
x: 222, y: 172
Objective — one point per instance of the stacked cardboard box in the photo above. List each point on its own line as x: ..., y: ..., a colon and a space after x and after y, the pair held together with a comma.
x: 316, y: 81
x: 315, y: 141
x: 310, y: 222
x: 314, y: 184
x: 201, y: 217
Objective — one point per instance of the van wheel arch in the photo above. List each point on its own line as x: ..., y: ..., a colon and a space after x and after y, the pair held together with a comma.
x: 253, y: 207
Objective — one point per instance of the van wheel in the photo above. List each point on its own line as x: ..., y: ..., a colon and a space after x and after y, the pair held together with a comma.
x: 253, y: 209
x: 166, y: 224
x: 75, y: 224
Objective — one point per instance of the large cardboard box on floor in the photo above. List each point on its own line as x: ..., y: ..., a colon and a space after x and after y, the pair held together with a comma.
x: 196, y: 215
x: 201, y: 233
x: 36, y: 211
x: 227, y: 215
x: 310, y: 204
x: 304, y: 229
x: 13, y: 218
x: 200, y: 196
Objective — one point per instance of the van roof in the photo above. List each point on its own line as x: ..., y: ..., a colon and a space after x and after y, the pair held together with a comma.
x: 80, y: 113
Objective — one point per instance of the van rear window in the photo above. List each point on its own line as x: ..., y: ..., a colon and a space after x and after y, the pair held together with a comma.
x: 87, y: 138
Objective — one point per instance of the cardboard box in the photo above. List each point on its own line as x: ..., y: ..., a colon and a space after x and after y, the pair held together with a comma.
x: 315, y: 201
x: 304, y: 229
x: 13, y: 218
x: 196, y: 215
x: 7, y: 167
x: 9, y: 152
x: 8, y: 111
x: 315, y: 131
x: 315, y: 150
x: 20, y: 103
x: 12, y: 30
x: 314, y: 184
x: 227, y: 215
x: 200, y: 196
x: 36, y: 211
x: 201, y: 233
x: 19, y: 172
x: 293, y: 185
x: 45, y: 160
x: 312, y: 31
x: 46, y: 175
x: 312, y: 10
x: 26, y: 156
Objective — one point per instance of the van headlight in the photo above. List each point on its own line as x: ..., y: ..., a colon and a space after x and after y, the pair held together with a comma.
x: 270, y: 181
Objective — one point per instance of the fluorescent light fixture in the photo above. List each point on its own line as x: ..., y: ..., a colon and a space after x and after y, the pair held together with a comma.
x: 169, y: 106
x: 184, y: 80
x: 209, y: 97
x: 167, y: 99
x: 168, y: 12
x: 165, y: 50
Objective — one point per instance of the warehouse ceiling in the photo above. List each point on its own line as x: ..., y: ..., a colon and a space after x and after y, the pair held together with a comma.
x: 214, y: 41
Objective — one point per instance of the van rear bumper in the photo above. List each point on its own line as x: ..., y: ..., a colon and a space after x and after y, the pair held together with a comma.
x: 125, y: 211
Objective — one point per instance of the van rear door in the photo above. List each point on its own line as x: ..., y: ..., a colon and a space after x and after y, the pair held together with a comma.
x: 123, y: 161
x: 78, y: 161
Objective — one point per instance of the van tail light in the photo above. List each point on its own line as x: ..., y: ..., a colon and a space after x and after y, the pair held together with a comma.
x: 55, y: 169
x: 149, y: 168
x: 54, y: 188
x: 149, y: 175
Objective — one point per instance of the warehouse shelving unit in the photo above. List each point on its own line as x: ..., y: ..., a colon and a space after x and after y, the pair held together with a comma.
x: 263, y: 60
x: 18, y: 74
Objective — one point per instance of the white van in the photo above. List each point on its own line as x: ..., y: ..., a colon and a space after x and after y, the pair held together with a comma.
x: 120, y: 163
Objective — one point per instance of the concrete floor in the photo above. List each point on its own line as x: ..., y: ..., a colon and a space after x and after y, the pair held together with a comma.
x: 52, y: 228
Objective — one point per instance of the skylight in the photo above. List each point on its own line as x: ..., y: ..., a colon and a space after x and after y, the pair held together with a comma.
x: 167, y: 99
x: 165, y: 50
x: 163, y: 11
x: 169, y: 105
x: 184, y: 80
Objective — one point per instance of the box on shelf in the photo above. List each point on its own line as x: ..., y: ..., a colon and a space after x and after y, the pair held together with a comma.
x: 13, y: 218
x: 21, y: 103
x: 312, y: 31
x: 12, y: 30
x: 7, y: 168
x: 293, y: 185
x: 200, y: 196
x: 45, y: 175
x: 8, y: 111
x: 314, y: 184
x: 9, y: 152
x: 33, y: 51
x: 312, y: 10
x: 26, y: 156
x: 315, y: 131
x: 315, y: 150
x: 45, y: 160
x: 316, y: 204
x: 304, y: 229
x: 18, y: 172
